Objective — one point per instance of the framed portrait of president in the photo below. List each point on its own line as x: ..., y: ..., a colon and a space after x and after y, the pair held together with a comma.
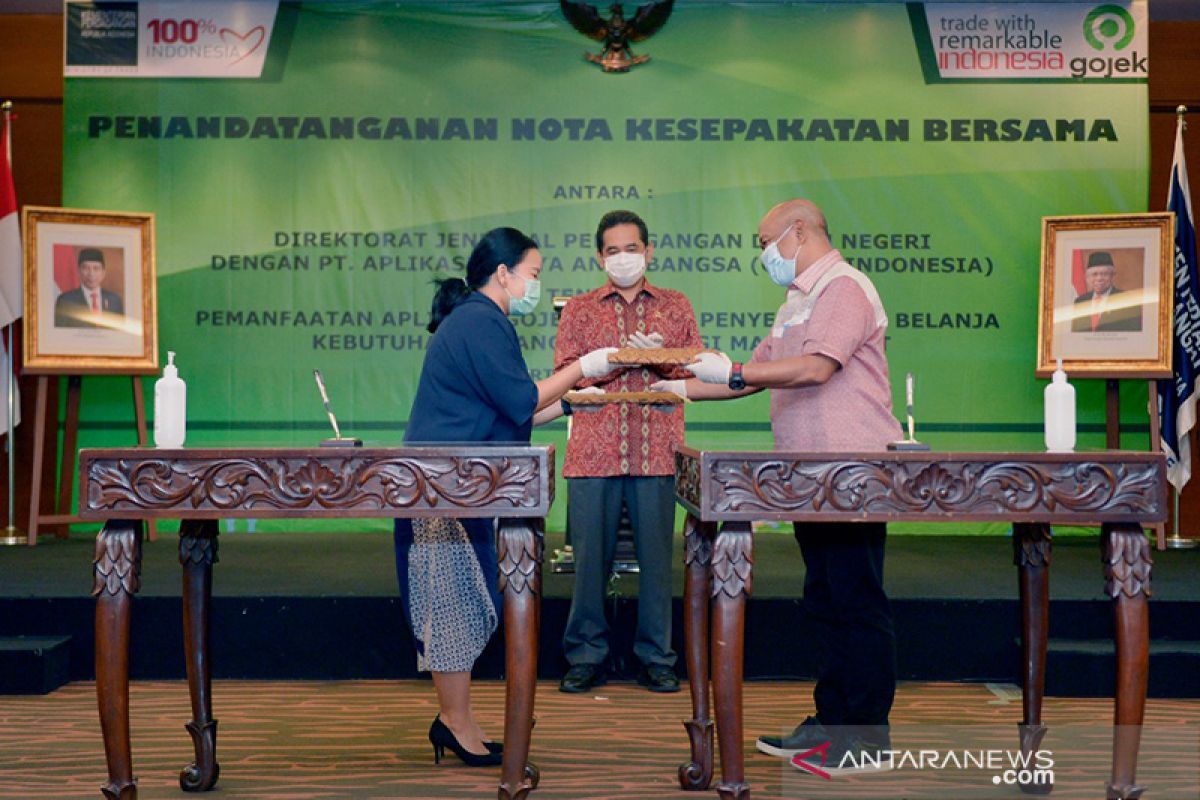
x: 90, y: 304
x: 1106, y: 299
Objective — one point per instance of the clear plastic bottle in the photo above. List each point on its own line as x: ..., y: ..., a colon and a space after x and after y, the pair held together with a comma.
x: 1060, y: 413
x: 170, y: 407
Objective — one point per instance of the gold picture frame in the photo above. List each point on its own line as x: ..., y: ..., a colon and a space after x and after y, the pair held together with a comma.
x: 90, y: 299
x: 1106, y: 300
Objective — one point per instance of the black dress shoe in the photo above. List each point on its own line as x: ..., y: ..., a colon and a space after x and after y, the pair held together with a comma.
x: 658, y: 678
x: 441, y: 737
x: 581, y: 678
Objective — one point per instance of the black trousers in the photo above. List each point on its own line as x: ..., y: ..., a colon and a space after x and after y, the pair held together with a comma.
x: 855, y: 642
x: 594, y: 508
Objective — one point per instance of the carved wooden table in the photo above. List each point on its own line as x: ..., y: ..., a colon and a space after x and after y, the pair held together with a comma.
x: 1118, y: 490
x: 126, y: 486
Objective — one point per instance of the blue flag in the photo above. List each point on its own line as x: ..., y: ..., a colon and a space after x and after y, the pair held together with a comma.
x: 1177, y: 395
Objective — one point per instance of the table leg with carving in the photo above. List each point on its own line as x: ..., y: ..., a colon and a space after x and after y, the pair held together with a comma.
x: 116, y: 571
x: 1031, y: 554
x: 696, y: 775
x: 197, y: 554
x: 1127, y: 567
x: 520, y: 555
x: 732, y: 565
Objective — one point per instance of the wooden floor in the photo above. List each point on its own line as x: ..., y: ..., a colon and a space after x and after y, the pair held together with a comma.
x: 319, y: 740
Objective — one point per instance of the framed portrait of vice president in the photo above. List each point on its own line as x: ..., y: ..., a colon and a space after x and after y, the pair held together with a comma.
x: 1107, y: 288
x: 89, y: 292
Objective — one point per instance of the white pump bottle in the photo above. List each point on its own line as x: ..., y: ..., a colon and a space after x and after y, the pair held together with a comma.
x: 1060, y: 413
x: 170, y: 407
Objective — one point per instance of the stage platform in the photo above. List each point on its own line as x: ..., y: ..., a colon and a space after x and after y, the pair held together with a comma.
x: 333, y: 740
x: 324, y: 606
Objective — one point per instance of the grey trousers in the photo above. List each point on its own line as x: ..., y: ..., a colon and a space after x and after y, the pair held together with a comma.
x: 594, y: 510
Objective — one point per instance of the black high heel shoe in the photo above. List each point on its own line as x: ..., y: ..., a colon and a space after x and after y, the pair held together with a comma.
x: 442, y: 738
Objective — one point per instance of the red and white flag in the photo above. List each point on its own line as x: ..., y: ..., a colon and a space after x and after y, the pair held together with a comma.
x: 12, y: 271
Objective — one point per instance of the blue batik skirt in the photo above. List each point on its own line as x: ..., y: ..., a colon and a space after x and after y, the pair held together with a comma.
x: 448, y: 587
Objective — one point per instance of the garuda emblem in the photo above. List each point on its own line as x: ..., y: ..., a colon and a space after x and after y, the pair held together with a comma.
x: 616, y: 32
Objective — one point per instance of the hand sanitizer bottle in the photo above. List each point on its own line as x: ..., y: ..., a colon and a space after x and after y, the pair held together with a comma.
x: 1060, y: 413
x: 170, y: 406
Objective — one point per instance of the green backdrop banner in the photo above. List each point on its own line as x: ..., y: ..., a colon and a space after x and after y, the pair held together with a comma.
x: 302, y: 215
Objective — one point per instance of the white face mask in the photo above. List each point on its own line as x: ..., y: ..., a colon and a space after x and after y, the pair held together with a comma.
x: 781, y: 270
x: 528, y: 300
x: 625, y: 269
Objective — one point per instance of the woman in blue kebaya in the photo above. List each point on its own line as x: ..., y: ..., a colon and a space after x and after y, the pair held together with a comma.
x: 474, y: 387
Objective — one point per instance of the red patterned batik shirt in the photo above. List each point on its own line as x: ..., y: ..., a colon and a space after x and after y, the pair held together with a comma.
x: 624, y: 439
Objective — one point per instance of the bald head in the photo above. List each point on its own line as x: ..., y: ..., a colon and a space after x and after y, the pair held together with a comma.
x: 800, y: 229
x: 787, y: 214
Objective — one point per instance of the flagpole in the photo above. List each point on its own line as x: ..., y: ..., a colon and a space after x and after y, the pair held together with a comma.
x: 1174, y: 541
x: 11, y: 534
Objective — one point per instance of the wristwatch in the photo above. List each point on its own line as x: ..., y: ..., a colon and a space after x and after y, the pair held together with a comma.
x: 736, y: 381
x: 566, y: 407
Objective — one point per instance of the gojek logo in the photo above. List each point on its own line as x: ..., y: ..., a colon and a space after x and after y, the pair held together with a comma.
x: 1108, y: 25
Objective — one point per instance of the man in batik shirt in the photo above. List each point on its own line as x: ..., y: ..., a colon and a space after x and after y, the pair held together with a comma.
x: 623, y: 452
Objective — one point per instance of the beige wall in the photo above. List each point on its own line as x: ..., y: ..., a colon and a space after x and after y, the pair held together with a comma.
x: 31, y: 77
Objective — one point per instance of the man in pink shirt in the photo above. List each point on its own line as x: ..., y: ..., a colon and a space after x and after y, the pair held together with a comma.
x: 824, y: 363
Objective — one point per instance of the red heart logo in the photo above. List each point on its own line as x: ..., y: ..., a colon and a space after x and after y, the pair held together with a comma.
x: 231, y: 37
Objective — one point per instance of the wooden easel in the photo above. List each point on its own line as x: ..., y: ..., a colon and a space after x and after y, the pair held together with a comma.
x: 61, y: 515
x: 1112, y: 436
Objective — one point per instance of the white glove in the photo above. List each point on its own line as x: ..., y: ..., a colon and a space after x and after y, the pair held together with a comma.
x: 595, y: 364
x: 588, y: 390
x: 646, y: 341
x: 677, y: 387
x: 711, y: 367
